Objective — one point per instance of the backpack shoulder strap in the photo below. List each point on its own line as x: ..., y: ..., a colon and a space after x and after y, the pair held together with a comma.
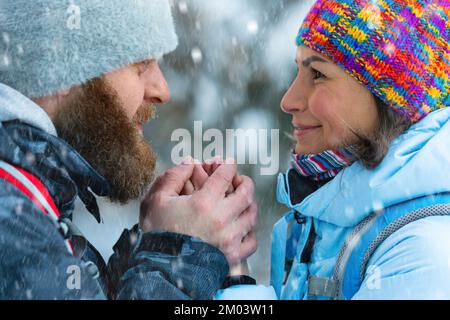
x: 353, y: 259
x: 35, y: 190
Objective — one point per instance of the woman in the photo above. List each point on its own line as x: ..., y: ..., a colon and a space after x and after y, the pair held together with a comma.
x: 370, y: 181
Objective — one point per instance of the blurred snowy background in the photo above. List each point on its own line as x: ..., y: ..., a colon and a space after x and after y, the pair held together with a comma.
x: 233, y: 64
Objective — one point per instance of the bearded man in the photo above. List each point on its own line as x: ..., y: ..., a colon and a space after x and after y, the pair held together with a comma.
x: 77, y: 83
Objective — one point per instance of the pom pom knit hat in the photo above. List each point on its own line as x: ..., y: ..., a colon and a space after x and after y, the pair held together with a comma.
x: 50, y: 45
x: 398, y: 49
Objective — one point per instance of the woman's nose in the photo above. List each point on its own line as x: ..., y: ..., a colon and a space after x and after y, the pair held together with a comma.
x: 294, y: 100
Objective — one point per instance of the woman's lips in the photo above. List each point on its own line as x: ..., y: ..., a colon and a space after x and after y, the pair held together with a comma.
x: 300, y: 130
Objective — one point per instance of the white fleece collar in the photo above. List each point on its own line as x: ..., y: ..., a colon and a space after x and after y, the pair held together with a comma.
x: 15, y: 106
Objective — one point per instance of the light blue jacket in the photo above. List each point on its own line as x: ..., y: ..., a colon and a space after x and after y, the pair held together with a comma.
x: 414, y: 262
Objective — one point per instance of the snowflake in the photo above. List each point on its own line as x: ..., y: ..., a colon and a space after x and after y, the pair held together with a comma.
x: 182, y: 6
x: 197, y: 55
x: 5, y: 60
x: 252, y: 27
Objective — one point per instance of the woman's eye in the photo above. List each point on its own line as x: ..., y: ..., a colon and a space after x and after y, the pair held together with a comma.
x: 317, y: 74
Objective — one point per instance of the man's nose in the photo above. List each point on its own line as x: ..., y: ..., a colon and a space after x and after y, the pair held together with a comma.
x: 156, y: 87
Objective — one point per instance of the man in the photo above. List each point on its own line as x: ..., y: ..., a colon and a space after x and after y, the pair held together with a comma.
x: 77, y: 83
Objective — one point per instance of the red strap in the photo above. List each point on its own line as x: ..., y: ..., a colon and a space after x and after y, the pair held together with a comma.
x: 5, y: 175
x: 16, y: 183
x: 42, y: 189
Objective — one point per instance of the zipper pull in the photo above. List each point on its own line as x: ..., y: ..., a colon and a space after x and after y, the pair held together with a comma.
x: 299, y: 217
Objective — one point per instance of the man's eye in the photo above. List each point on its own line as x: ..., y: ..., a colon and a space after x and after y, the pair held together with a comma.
x: 317, y: 74
x: 143, y: 66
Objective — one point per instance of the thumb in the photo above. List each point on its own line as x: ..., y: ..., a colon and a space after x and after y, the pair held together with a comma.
x: 173, y: 181
x: 220, y: 181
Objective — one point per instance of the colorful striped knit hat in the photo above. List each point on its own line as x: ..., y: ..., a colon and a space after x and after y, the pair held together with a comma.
x: 399, y: 49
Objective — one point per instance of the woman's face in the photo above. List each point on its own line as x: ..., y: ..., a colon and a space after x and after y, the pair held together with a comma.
x: 327, y: 105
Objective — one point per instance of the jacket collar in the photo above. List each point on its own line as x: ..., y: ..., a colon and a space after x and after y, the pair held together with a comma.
x: 28, y: 139
x: 415, y: 166
x: 14, y: 105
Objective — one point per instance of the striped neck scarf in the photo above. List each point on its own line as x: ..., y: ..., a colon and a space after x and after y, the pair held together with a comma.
x: 324, y: 165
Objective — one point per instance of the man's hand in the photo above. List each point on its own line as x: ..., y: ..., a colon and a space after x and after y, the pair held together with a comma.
x: 224, y: 221
x: 198, y: 179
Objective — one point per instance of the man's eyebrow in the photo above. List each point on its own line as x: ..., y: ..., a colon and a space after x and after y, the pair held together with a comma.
x: 143, y: 61
x: 307, y: 62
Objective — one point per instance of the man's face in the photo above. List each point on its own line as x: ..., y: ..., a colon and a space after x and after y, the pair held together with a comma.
x: 103, y: 121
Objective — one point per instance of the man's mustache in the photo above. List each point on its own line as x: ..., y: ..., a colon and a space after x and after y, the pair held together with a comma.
x: 145, y: 114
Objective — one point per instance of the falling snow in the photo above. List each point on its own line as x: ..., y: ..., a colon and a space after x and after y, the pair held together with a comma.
x: 234, y: 62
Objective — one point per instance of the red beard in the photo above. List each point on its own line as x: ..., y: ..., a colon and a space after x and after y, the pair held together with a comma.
x: 94, y: 123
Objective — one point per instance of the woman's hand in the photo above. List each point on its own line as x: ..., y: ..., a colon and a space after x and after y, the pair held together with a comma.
x: 198, y: 179
x: 201, y: 174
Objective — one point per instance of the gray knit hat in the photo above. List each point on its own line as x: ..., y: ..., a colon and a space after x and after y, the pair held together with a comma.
x: 50, y: 45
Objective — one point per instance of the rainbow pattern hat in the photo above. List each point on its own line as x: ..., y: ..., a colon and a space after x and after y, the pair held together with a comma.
x: 399, y: 49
